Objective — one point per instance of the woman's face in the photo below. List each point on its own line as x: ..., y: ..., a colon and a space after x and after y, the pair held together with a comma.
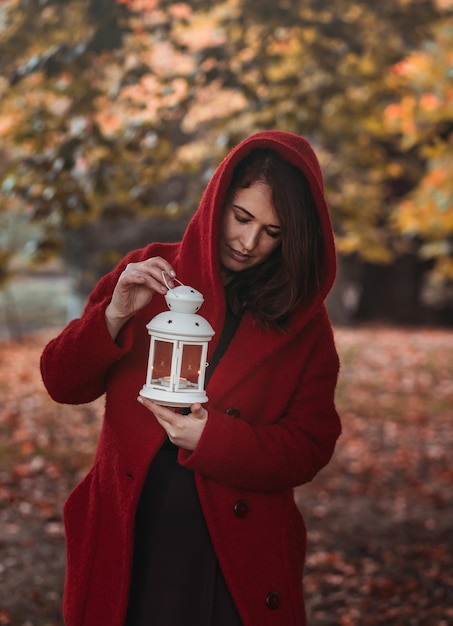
x: 250, y: 228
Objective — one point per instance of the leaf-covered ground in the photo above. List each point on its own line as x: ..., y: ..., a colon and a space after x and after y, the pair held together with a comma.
x: 379, y: 517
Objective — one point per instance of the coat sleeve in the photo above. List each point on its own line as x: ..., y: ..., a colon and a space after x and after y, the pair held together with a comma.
x: 283, y: 454
x: 74, y: 365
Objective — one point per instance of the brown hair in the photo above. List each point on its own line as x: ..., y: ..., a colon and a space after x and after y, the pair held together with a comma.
x: 291, y: 274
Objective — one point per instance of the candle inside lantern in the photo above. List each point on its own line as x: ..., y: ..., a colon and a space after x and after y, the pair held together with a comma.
x: 166, y: 381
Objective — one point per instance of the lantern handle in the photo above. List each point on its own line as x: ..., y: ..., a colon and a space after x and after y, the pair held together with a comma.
x: 165, y: 280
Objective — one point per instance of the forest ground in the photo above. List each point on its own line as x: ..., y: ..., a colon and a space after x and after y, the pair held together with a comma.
x: 379, y: 516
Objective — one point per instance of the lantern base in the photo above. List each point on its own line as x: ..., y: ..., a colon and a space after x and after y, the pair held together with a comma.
x: 179, y: 399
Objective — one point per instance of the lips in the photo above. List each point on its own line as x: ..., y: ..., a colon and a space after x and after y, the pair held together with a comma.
x: 238, y: 256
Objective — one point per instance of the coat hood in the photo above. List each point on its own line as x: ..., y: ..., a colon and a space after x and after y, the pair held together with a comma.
x: 200, y: 243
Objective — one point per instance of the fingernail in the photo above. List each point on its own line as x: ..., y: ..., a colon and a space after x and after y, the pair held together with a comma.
x: 173, y: 273
x: 140, y: 399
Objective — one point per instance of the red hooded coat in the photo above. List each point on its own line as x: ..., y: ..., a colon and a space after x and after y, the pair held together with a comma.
x: 281, y: 386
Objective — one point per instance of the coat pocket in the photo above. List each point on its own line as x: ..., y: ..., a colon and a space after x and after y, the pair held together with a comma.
x: 81, y: 520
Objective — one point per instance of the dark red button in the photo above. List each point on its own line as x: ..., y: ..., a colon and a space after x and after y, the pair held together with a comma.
x: 233, y: 411
x: 241, y: 508
x: 273, y: 600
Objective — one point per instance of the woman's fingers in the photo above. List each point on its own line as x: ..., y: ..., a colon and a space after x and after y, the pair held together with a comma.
x: 183, y: 430
x: 198, y: 412
x: 135, y: 289
x: 138, y: 282
x: 156, y: 273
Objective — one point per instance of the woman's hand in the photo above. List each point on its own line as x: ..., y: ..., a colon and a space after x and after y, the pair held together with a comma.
x: 182, y: 430
x: 135, y: 289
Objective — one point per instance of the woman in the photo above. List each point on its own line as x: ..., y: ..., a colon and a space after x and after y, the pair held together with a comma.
x: 190, y: 519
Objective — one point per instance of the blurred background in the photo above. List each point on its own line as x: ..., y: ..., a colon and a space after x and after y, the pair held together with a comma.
x: 113, y: 116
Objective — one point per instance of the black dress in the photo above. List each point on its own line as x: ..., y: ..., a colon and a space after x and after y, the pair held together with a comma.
x: 176, y: 579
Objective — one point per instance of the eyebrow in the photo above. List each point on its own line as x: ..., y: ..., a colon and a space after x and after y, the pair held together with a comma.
x: 237, y: 206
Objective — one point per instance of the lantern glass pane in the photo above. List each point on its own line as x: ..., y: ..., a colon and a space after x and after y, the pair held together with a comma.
x: 191, y: 362
x: 163, y: 352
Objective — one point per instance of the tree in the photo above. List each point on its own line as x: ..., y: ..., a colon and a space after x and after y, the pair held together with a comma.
x: 422, y: 119
x: 132, y: 125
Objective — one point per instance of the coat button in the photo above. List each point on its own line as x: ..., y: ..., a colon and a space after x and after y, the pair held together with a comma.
x: 273, y: 600
x: 233, y: 411
x: 241, y: 508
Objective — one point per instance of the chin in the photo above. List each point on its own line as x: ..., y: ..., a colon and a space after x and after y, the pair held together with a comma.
x: 235, y: 266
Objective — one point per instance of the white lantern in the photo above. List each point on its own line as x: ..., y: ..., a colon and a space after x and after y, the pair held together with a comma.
x: 178, y: 350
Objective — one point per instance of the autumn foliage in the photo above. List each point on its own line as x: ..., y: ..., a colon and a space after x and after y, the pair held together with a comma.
x: 126, y: 112
x: 427, y: 104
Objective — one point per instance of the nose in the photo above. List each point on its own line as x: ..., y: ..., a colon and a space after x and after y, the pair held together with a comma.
x: 250, y: 239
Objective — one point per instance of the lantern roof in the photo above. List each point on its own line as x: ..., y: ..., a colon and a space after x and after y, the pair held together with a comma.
x: 175, y: 324
x: 182, y: 320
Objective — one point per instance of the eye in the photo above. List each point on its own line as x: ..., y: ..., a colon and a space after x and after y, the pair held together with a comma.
x: 275, y: 234
x: 240, y: 219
